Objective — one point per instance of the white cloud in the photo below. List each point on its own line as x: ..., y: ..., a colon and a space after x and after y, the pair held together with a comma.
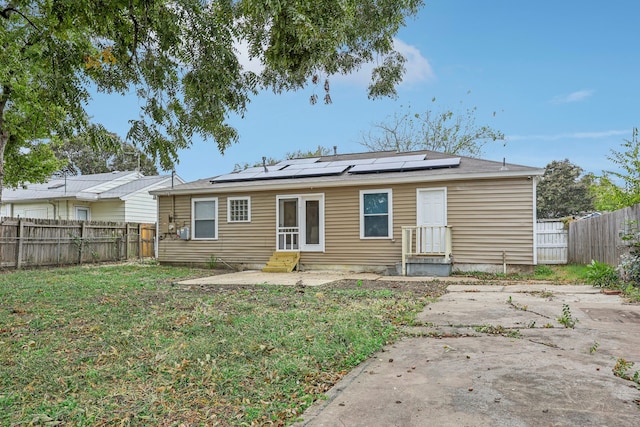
x: 417, y: 68
x: 248, y: 64
x: 571, y: 135
x: 577, y: 96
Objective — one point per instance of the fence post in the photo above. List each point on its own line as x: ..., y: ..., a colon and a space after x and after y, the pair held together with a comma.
x: 82, y: 234
x: 19, y: 238
x: 139, y: 241
x: 126, y: 241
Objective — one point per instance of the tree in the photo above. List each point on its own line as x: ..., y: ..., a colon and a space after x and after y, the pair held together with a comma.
x: 298, y: 154
x: 611, y: 196
x: 83, y: 159
x: 180, y: 58
x: 563, y: 191
x: 444, y: 130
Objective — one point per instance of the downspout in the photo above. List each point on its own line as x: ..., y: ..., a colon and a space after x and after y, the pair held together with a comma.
x: 54, y: 208
x: 156, y: 240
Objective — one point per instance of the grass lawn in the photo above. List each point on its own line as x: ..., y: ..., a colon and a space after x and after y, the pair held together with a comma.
x: 124, y: 345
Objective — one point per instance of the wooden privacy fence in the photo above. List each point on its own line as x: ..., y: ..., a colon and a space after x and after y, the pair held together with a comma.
x: 600, y: 238
x: 45, y: 242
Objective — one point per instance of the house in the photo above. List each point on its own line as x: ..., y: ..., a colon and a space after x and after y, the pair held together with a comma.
x: 114, y: 196
x: 416, y: 213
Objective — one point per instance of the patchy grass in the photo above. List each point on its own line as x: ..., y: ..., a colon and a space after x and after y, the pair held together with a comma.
x: 122, y: 345
x: 559, y: 274
x: 631, y: 293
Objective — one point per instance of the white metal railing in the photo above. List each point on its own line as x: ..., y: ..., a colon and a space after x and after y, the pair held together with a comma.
x: 288, y: 238
x: 425, y: 240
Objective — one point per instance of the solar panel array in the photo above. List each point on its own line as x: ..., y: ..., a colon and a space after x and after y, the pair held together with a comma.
x: 310, y: 167
x: 399, y: 166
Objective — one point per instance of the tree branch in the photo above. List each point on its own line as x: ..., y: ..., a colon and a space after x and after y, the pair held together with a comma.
x: 6, y: 13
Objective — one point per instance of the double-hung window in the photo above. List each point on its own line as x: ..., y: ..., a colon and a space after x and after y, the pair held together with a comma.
x: 204, y: 218
x: 239, y: 209
x: 376, y: 214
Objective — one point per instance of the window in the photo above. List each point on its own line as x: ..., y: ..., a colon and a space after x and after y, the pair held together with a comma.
x: 376, y: 214
x: 239, y: 209
x: 82, y: 214
x: 204, y: 218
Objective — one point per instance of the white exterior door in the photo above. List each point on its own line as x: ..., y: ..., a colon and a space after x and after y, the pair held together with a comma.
x: 431, y: 220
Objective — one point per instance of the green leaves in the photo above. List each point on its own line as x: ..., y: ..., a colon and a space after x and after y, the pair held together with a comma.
x: 181, y: 59
x: 563, y: 191
x: 621, y: 188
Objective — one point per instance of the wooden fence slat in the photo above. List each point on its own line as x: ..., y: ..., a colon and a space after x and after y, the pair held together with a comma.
x: 600, y: 238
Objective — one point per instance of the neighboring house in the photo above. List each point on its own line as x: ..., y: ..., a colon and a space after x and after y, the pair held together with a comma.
x: 114, y: 196
x: 352, y: 212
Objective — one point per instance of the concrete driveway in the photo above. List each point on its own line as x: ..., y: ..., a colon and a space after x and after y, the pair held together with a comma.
x: 498, y: 356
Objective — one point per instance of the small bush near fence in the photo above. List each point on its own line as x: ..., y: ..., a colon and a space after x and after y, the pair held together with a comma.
x: 602, y: 275
x: 629, y: 266
x: 26, y: 242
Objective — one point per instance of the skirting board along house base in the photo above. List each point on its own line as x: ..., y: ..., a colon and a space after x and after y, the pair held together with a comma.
x: 426, y: 266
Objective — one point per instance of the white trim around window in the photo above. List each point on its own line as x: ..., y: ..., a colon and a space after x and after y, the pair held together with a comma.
x: 204, y: 218
x: 239, y: 209
x: 374, y: 212
x: 86, y: 213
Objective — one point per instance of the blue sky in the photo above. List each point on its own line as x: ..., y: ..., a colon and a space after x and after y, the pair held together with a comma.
x: 562, y: 78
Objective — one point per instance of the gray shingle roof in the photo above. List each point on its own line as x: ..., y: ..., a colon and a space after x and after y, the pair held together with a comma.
x: 469, y: 168
x: 86, y: 187
x: 134, y: 186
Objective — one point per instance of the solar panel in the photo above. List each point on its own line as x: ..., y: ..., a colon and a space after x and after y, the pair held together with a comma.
x: 235, y: 177
x: 318, y: 165
x: 329, y: 170
x: 283, y: 173
x: 395, y: 159
x: 349, y: 162
x: 300, y: 168
x: 406, y: 166
x: 284, y: 163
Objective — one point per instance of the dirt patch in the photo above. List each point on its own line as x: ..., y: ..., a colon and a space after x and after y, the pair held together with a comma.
x: 420, y: 289
x: 431, y: 288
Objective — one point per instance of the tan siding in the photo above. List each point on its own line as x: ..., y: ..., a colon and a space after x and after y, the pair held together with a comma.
x: 488, y: 217
x: 342, y: 234
x: 491, y: 217
x: 248, y: 243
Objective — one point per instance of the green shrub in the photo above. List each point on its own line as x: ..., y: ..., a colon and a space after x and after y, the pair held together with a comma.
x: 629, y: 267
x: 602, y: 275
